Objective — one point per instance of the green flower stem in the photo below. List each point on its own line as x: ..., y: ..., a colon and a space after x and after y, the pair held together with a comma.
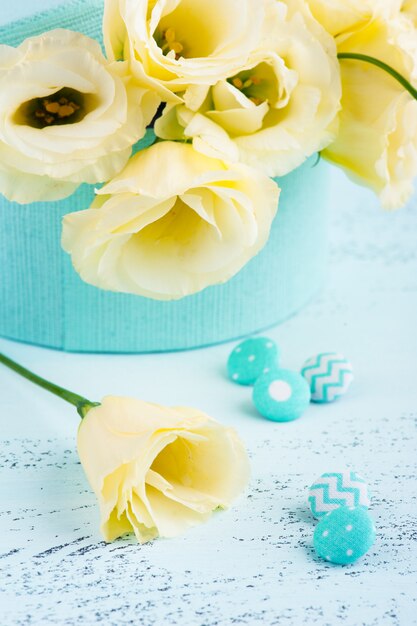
x: 354, y: 56
x: 82, y: 404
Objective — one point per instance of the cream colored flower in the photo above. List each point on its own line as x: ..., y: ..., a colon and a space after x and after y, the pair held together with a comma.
x: 409, y: 7
x: 172, y: 44
x: 340, y: 16
x: 172, y: 223
x: 409, y: 37
x: 278, y: 109
x: 377, y: 140
x: 157, y: 471
x: 67, y: 116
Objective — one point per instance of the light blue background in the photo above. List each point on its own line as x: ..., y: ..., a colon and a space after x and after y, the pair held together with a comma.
x: 21, y: 8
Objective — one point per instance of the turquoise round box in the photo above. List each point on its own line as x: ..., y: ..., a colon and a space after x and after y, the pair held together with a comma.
x: 43, y: 300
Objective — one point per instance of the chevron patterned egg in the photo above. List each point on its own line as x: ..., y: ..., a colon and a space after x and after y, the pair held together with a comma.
x: 335, y: 489
x: 329, y: 375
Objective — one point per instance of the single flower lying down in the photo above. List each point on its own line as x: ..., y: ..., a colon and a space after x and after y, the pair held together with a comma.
x: 157, y: 471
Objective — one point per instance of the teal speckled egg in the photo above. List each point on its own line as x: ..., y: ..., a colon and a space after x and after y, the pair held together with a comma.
x: 251, y: 358
x: 344, y: 535
x: 281, y: 395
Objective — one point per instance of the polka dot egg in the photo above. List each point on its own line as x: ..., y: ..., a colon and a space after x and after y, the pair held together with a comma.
x: 344, y: 535
x: 329, y: 375
x: 252, y: 358
x: 281, y: 395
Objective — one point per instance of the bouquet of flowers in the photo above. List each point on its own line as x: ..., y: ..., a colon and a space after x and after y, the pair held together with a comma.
x: 229, y: 96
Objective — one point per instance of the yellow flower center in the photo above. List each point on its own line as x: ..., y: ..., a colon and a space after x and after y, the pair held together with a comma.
x: 260, y: 84
x: 192, y: 29
x: 177, y: 228
x: 168, y: 42
x: 248, y: 85
x: 67, y: 106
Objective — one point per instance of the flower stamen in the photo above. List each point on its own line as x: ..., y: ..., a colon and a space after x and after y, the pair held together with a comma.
x: 64, y: 107
x: 52, y: 110
x: 245, y: 85
x: 169, y: 43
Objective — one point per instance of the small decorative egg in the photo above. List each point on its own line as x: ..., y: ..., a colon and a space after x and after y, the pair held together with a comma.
x: 335, y: 489
x: 344, y: 535
x: 281, y: 395
x: 329, y: 375
x: 251, y: 358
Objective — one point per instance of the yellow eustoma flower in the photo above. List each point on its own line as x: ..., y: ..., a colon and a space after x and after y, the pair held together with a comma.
x: 67, y: 116
x: 377, y: 139
x: 171, y: 44
x: 409, y: 38
x: 280, y: 108
x: 339, y: 16
x: 172, y: 223
x: 157, y: 471
x: 409, y: 7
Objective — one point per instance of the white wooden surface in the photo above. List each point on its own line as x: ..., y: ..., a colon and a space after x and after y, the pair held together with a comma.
x: 254, y: 564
